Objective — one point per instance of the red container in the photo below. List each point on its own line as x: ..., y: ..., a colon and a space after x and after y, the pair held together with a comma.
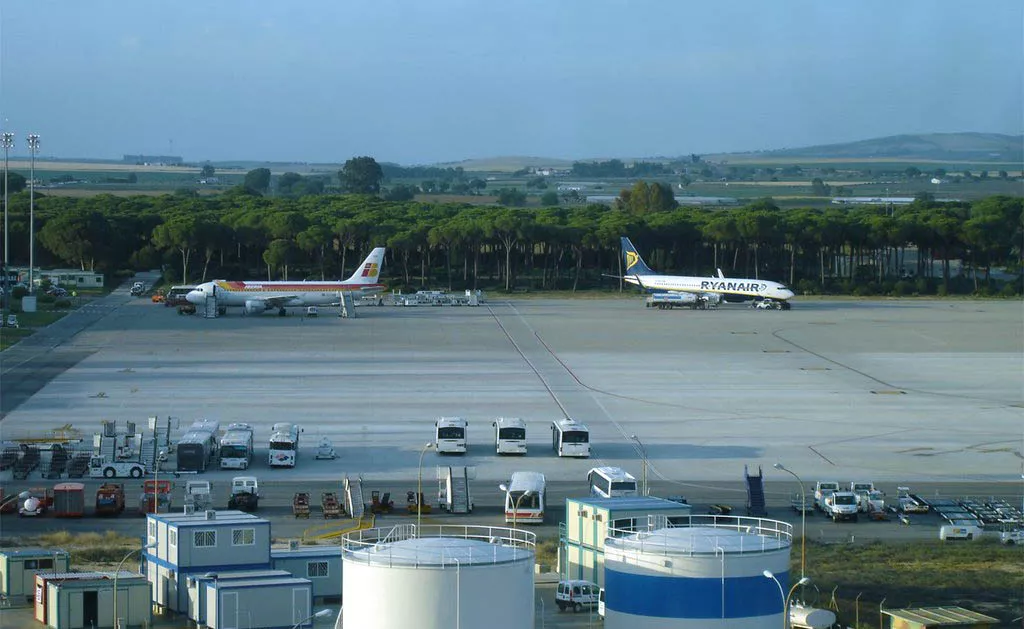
x: 69, y: 500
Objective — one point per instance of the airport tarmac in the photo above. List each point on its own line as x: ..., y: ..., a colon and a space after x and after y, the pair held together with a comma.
x: 888, y: 390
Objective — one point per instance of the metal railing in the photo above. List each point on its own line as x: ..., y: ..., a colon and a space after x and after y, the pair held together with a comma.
x: 762, y: 535
x: 379, y: 545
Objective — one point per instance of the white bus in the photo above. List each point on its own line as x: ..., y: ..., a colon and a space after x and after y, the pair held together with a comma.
x: 570, y: 438
x: 236, y: 447
x: 611, y: 482
x: 450, y: 435
x: 510, y: 435
x: 523, y: 508
x: 284, y: 445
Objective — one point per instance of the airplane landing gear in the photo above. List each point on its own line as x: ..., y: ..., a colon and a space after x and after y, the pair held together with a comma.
x: 281, y: 312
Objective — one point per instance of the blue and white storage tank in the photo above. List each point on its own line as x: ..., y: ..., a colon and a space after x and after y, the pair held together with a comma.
x: 704, y: 573
x: 438, y: 577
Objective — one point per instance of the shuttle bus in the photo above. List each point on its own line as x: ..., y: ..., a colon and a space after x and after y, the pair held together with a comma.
x: 198, y: 446
x: 611, y: 482
x: 450, y: 435
x: 522, y: 508
x: 236, y: 447
x: 284, y: 445
x: 510, y: 435
x: 570, y: 438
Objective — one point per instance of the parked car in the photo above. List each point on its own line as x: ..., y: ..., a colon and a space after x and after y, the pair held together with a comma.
x: 1010, y: 538
x: 576, y: 594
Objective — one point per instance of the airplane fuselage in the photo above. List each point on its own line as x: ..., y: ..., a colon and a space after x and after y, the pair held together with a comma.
x: 754, y: 289
x: 292, y: 294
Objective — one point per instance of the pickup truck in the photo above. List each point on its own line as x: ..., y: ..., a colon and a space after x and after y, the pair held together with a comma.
x: 822, y: 490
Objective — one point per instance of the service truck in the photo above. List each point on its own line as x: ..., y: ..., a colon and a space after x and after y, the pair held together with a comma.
x: 822, y: 490
x: 198, y: 495
x: 841, y: 505
x: 245, y: 493
x: 869, y: 499
x: 110, y: 499
x: 103, y: 467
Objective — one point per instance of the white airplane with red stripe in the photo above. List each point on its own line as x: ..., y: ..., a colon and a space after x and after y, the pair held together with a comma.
x: 257, y: 297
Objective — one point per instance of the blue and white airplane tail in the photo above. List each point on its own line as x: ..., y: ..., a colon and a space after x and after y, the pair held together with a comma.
x: 635, y: 265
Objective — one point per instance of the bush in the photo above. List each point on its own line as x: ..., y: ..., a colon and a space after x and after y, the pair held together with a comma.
x: 43, y: 298
x: 923, y: 286
x: 942, y: 291
x: 902, y: 288
x: 1008, y: 291
x: 62, y: 304
x: 18, y: 292
x: 807, y: 287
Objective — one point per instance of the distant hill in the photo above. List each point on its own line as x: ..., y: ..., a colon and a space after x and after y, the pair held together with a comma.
x: 510, y: 163
x: 973, y: 147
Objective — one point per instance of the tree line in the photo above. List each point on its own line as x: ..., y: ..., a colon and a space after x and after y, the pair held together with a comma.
x: 242, y: 234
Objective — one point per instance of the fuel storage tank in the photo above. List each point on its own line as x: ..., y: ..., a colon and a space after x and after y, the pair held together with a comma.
x: 707, y: 572
x: 438, y: 577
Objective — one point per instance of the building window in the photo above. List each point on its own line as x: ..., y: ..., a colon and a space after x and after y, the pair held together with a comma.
x: 316, y: 569
x: 172, y: 537
x: 31, y: 564
x: 152, y: 531
x: 243, y: 537
x: 46, y: 564
x: 204, y: 539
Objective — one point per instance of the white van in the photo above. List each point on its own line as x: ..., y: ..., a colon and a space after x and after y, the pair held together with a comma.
x: 611, y: 482
x: 951, y: 532
x: 600, y: 603
x: 576, y: 595
x: 450, y: 435
x: 509, y: 435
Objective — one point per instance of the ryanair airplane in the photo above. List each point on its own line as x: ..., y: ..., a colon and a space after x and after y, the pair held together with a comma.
x: 709, y: 289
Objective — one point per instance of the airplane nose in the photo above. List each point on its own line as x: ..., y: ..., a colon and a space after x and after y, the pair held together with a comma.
x: 194, y: 297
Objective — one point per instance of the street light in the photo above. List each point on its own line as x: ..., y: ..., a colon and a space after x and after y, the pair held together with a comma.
x: 33, y: 148
x: 117, y: 572
x: 803, y: 515
x: 643, y: 451
x: 22, y: 496
x: 419, y: 487
x: 319, y: 614
x: 7, y: 140
x: 785, y: 597
x: 161, y: 456
x: 515, y: 508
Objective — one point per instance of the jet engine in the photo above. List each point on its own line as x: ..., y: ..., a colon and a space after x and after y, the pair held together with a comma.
x: 255, y: 306
x: 711, y: 299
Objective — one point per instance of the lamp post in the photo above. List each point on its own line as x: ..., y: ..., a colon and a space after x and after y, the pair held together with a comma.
x: 803, y: 515
x: 161, y: 456
x: 117, y: 572
x: 643, y: 452
x: 7, y: 139
x: 785, y: 597
x: 419, y: 487
x: 319, y: 614
x: 515, y: 509
x: 33, y: 148
x: 21, y: 496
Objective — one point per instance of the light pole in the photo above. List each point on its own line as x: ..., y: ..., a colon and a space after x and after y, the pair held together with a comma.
x: 161, y: 456
x: 33, y: 148
x: 803, y: 515
x: 319, y: 614
x: 419, y: 487
x: 117, y: 572
x: 22, y: 496
x: 643, y: 452
x: 515, y: 509
x: 7, y: 139
x: 785, y: 597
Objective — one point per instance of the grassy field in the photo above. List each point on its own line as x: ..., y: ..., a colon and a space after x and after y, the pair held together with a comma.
x: 28, y: 323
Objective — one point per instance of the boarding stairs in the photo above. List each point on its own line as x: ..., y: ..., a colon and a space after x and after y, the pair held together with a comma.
x: 209, y: 309
x: 348, y: 305
x: 354, y: 503
x: 755, y: 492
x: 453, y: 490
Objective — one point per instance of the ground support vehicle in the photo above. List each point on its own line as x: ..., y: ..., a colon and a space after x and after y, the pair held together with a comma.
x: 110, y: 499
x: 325, y: 450
x: 911, y: 503
x: 300, y: 505
x: 198, y: 495
x: 329, y: 505
x: 576, y: 595
x: 822, y: 489
x: 381, y: 504
x: 245, y: 494
x: 138, y: 289
x: 802, y: 502
x: 103, y: 467
x: 841, y: 505
x: 187, y: 309
x: 1015, y: 536
x: 414, y: 506
x: 952, y: 532
x: 155, y: 494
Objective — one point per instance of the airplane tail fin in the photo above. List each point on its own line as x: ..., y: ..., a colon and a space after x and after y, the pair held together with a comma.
x: 369, y: 270
x: 635, y: 265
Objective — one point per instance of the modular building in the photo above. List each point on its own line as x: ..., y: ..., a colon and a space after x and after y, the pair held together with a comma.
x: 589, y: 521
x: 197, y: 588
x: 259, y: 603
x: 320, y: 564
x: 439, y: 577
x: 713, y: 572
x: 75, y: 602
x: 189, y: 545
x: 927, y: 617
x: 19, y: 567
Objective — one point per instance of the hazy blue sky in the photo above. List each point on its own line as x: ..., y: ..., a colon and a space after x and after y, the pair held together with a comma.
x: 421, y: 82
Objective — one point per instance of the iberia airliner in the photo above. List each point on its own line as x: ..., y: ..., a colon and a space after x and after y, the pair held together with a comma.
x: 709, y: 288
x: 258, y: 297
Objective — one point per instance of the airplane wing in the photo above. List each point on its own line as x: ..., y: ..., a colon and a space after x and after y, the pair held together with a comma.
x: 277, y: 301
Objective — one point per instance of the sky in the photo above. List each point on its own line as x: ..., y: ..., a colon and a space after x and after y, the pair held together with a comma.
x: 417, y: 82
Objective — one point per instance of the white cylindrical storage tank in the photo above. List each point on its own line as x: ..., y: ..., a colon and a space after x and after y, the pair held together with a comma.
x: 707, y: 574
x: 440, y: 577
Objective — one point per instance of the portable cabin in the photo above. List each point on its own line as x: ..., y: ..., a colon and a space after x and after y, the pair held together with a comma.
x: 203, y: 542
x: 88, y: 602
x: 259, y: 603
x: 196, y: 585
x: 946, y: 617
x: 43, y: 578
x: 320, y: 564
x: 19, y: 567
x: 589, y: 521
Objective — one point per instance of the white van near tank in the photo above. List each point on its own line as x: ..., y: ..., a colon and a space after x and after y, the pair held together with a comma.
x: 951, y: 532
